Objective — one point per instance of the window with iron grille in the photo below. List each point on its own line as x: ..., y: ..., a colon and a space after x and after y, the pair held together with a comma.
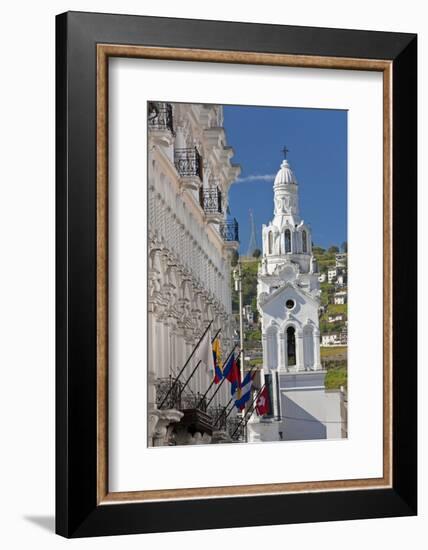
x: 159, y: 116
x: 229, y: 230
x: 188, y: 162
x: 210, y: 200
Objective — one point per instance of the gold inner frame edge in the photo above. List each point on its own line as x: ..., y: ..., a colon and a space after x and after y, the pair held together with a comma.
x: 104, y: 51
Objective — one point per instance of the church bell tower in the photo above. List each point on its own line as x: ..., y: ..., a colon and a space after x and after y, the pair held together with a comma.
x: 288, y: 289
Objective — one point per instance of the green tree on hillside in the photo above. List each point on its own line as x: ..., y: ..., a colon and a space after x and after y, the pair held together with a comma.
x: 249, y: 286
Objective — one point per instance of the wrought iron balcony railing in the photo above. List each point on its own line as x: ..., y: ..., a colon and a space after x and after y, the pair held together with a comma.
x: 236, y: 428
x: 194, y: 401
x: 229, y: 230
x: 219, y: 416
x: 210, y: 200
x: 188, y: 162
x: 169, y: 393
x: 159, y: 116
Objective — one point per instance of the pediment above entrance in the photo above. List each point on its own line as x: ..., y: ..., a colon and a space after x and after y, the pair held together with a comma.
x: 288, y: 272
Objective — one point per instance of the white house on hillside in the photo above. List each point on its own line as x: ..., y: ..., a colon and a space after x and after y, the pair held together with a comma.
x: 341, y: 297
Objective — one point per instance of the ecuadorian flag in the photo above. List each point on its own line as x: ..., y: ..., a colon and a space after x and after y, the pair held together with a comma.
x: 217, y: 361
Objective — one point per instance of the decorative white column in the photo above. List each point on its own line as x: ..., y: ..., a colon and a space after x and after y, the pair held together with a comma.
x: 264, y: 348
x: 151, y: 393
x: 276, y: 394
x: 317, y: 352
x: 282, y: 352
x: 157, y: 352
x: 299, y: 350
x: 152, y: 412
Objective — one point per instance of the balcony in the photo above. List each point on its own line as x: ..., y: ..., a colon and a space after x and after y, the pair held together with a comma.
x: 229, y: 231
x: 196, y: 420
x: 159, y: 117
x: 210, y: 200
x: 168, y: 393
x: 219, y: 416
x: 188, y: 163
x: 236, y: 428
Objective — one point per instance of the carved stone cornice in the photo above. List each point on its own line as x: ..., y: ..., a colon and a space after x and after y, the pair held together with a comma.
x: 164, y: 425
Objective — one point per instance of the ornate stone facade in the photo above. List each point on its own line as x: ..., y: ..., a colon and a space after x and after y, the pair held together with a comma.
x: 189, y: 254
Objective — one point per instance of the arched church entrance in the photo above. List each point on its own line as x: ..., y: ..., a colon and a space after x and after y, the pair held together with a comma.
x: 291, y: 346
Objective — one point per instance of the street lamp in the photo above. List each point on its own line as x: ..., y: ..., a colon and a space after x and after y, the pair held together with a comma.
x: 237, y: 277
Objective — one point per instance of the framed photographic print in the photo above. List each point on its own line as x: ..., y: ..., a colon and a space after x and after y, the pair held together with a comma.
x: 236, y: 232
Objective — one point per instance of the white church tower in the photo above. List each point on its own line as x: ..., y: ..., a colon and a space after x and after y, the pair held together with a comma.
x: 288, y: 286
x: 288, y: 301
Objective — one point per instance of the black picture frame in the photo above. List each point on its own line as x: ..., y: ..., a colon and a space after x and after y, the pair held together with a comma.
x: 77, y: 511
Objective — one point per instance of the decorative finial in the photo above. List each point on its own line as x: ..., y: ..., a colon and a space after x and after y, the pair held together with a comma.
x: 285, y: 151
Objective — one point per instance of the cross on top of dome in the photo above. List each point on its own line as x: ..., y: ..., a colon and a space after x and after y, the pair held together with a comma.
x: 285, y: 151
x: 285, y: 174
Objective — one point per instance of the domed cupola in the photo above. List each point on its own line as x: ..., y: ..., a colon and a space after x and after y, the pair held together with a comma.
x: 286, y: 237
x: 285, y: 175
x: 286, y: 198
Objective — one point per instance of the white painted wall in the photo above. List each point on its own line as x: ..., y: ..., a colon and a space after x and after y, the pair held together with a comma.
x: 303, y: 406
x: 27, y: 296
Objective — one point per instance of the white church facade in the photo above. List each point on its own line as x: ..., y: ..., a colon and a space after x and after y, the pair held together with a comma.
x: 190, y: 243
x: 288, y: 301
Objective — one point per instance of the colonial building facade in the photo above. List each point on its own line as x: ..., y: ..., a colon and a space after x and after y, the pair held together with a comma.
x: 190, y: 244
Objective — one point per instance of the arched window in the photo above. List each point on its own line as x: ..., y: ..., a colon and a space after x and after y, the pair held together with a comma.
x: 270, y: 242
x: 291, y: 346
x: 304, y: 242
x: 287, y: 241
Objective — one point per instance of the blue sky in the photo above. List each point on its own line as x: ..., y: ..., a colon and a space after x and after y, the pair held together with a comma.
x: 317, y: 143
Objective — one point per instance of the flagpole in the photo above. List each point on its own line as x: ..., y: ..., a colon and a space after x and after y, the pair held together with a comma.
x: 188, y: 380
x: 222, y: 413
x: 252, y: 410
x: 197, y: 365
x: 237, y: 276
x: 213, y: 380
x: 230, y: 401
x: 187, y: 362
x: 223, y: 379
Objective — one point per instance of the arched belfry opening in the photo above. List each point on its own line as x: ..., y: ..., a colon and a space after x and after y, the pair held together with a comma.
x: 287, y: 241
x: 291, y: 346
x: 304, y: 242
x: 270, y: 242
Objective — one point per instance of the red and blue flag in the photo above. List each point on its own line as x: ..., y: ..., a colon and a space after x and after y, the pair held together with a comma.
x: 243, y: 391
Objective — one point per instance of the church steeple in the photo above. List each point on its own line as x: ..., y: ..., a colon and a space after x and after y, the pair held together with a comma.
x: 286, y: 197
x: 286, y: 238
